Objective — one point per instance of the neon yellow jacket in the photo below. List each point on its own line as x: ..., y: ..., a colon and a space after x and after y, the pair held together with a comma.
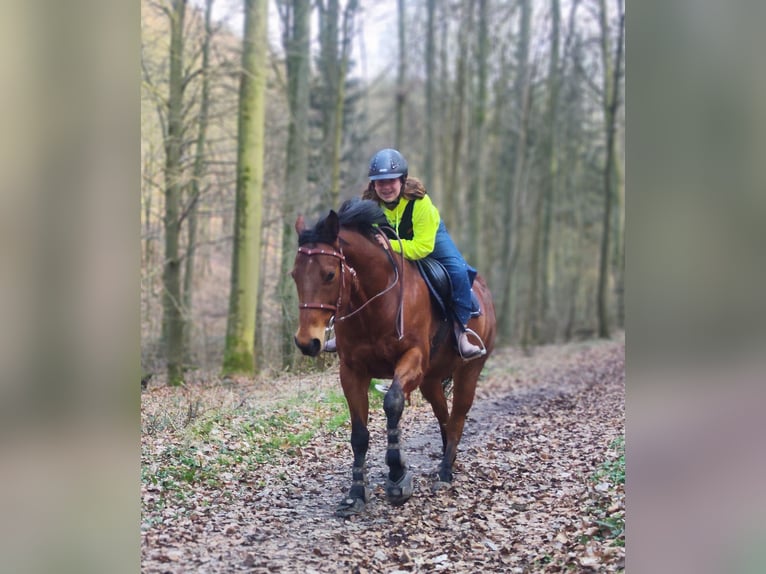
x: 425, y: 223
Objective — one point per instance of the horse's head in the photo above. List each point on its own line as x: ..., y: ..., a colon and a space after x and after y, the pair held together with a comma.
x: 317, y: 273
x: 321, y: 272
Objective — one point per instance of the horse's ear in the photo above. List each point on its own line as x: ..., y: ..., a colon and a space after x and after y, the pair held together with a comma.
x: 300, y: 224
x: 332, y: 224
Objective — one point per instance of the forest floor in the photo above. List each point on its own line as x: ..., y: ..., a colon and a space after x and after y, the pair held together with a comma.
x: 245, y: 476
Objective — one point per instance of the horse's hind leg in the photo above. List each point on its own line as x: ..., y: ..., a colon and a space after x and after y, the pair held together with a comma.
x: 433, y: 392
x: 465, y: 379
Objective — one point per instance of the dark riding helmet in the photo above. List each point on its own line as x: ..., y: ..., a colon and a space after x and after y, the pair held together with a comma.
x: 387, y: 164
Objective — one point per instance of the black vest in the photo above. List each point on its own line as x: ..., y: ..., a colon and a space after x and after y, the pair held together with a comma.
x: 406, y: 230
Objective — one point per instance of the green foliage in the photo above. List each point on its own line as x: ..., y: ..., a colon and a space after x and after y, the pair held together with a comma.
x: 613, y: 471
x: 216, y: 445
x: 612, y: 474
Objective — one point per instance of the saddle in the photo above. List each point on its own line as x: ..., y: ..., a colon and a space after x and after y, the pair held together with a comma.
x: 440, y: 287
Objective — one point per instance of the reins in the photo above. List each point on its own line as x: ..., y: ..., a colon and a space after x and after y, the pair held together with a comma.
x: 400, y: 309
x: 386, y: 290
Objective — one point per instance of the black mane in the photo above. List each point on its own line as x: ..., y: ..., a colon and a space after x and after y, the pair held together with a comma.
x: 360, y: 214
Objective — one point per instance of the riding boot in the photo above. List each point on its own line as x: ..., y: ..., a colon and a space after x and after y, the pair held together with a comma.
x: 330, y: 346
x: 467, y: 349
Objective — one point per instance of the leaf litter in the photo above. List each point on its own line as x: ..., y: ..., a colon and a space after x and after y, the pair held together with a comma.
x: 245, y: 477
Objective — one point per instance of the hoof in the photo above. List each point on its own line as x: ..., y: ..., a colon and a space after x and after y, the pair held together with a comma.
x: 400, y: 492
x: 440, y: 485
x: 349, y: 507
x: 353, y: 504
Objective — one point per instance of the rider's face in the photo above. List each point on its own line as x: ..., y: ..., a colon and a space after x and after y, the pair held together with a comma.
x: 388, y: 189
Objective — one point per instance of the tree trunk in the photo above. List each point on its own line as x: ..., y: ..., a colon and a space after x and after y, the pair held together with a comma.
x: 530, y: 335
x: 512, y: 229
x: 430, y: 81
x: 240, y: 332
x: 172, y: 328
x: 401, y: 92
x: 197, y: 176
x: 538, y: 272
x: 454, y: 187
x: 611, y: 79
x: 297, y: 40
x: 340, y: 100
x: 440, y: 191
x: 499, y: 183
x: 548, y: 268
x: 330, y: 73
x: 618, y: 262
x: 476, y: 240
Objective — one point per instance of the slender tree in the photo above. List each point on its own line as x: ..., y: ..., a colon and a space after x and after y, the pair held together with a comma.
x: 329, y: 72
x: 530, y: 334
x: 512, y: 231
x: 171, y: 275
x: 401, y: 92
x: 619, y: 177
x: 551, y: 180
x: 430, y: 83
x: 499, y: 180
x: 239, y: 354
x: 476, y: 185
x: 347, y: 27
x: 296, y: 37
x: 443, y: 89
x: 453, y: 187
x: 611, y: 102
x: 198, y: 172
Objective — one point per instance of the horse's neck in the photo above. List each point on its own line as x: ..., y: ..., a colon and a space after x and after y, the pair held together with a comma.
x: 373, y: 268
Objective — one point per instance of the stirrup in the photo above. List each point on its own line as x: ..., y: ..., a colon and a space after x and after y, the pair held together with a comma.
x: 482, y: 347
x: 330, y: 343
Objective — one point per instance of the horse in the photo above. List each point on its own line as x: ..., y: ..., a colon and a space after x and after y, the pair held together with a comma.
x: 385, y: 327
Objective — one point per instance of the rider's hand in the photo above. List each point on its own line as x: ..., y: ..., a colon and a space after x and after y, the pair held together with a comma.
x: 382, y: 241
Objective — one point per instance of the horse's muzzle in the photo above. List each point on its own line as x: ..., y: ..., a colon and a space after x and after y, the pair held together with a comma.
x: 311, y: 349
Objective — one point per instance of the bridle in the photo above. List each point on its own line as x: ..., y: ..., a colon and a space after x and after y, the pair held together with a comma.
x: 343, y: 267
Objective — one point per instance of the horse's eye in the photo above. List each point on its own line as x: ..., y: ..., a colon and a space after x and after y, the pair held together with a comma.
x: 330, y: 276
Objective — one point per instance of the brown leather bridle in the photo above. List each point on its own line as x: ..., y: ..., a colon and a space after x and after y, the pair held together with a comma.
x: 343, y: 266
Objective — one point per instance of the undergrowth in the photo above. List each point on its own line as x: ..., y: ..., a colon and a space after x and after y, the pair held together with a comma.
x: 215, y: 445
x: 608, y: 514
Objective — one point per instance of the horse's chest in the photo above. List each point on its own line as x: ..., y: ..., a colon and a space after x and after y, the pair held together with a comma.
x: 374, y: 359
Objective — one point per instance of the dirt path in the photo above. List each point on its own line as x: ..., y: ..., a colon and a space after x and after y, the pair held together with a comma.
x: 523, y: 499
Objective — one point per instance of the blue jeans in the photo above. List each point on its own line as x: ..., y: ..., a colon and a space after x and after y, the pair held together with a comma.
x: 461, y: 274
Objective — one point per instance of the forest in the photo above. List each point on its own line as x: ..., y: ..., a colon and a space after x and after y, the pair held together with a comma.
x: 510, y: 111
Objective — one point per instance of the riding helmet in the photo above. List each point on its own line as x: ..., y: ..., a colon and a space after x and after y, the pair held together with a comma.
x: 387, y: 164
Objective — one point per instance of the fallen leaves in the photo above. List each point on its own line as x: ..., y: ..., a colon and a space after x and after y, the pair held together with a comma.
x: 523, y: 500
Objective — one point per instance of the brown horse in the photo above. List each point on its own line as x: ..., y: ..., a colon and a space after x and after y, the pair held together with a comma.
x: 385, y: 327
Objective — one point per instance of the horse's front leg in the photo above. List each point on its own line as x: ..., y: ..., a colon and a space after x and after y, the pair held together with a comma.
x: 355, y: 389
x: 407, y: 377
